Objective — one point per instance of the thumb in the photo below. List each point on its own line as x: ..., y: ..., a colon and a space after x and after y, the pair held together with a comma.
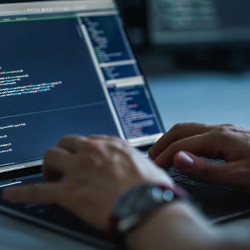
x: 200, y: 169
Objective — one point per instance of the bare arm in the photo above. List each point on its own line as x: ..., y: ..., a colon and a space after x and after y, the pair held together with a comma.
x: 183, y: 227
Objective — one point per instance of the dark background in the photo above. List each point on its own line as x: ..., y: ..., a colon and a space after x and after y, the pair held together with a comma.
x: 158, y: 60
x: 224, y: 56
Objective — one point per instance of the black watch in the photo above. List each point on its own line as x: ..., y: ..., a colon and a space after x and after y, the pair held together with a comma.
x: 137, y: 203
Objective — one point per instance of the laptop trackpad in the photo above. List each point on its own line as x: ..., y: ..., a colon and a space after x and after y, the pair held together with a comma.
x: 220, y: 204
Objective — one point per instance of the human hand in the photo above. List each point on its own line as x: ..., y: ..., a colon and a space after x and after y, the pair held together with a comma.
x: 184, y: 142
x: 87, y: 175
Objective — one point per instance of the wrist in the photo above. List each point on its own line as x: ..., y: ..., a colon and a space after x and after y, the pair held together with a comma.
x: 181, y: 226
x: 174, y: 226
x: 139, y: 203
x: 160, y: 225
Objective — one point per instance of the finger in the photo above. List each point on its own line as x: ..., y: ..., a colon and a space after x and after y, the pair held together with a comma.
x: 200, y: 169
x: 221, y: 173
x: 99, y: 137
x: 90, y: 145
x: 43, y: 193
x: 78, y: 144
x: 72, y: 143
x: 201, y: 145
x: 109, y: 139
x: 56, y: 163
x: 179, y: 131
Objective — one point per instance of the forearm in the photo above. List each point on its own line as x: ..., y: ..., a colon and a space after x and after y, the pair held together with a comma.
x: 180, y: 226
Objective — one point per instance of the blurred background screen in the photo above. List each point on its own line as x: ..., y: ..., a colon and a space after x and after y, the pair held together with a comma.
x: 196, y: 56
x: 190, y: 33
x: 198, y: 21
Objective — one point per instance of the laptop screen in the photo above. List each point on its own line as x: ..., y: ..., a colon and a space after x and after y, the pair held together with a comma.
x: 66, y: 67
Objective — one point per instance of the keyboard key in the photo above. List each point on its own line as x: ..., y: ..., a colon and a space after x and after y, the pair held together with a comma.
x: 180, y: 178
x: 173, y: 173
x: 192, y: 183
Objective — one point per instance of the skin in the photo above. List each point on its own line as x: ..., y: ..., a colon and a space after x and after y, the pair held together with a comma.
x: 185, y: 143
x: 93, y: 171
x: 87, y: 175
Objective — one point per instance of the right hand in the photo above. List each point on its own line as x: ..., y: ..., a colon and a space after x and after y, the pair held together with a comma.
x: 87, y: 176
x: 185, y: 143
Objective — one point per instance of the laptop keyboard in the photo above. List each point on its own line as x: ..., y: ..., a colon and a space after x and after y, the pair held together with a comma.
x: 58, y: 216
x: 54, y: 214
x: 57, y: 219
x: 184, y: 181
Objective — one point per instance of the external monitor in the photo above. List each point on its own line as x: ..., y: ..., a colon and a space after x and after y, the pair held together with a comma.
x: 189, y: 22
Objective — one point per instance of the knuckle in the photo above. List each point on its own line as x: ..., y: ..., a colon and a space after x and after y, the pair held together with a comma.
x: 229, y: 133
x: 66, y: 138
x: 101, y: 137
x: 119, y: 147
x: 185, y: 125
x: 79, y: 142
x: 118, y: 142
x: 88, y: 146
x: 227, y: 125
x: 226, y: 135
x: 226, y: 128
x: 116, y: 139
x: 178, y: 126
x: 48, y: 154
x: 87, y: 163
x: 169, y: 153
x: 222, y: 131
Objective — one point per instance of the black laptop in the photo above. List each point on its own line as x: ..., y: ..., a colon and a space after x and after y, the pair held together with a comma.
x: 67, y: 67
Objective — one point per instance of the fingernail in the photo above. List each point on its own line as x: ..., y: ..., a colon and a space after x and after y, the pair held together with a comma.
x: 187, y: 159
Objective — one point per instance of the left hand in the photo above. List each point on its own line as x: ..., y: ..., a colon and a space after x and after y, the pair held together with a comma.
x: 185, y: 143
x: 87, y: 175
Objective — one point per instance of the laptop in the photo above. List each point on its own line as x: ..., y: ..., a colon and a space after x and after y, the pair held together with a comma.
x: 67, y: 67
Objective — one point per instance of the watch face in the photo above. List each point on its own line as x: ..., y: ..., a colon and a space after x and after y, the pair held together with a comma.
x: 135, y: 204
x: 141, y: 199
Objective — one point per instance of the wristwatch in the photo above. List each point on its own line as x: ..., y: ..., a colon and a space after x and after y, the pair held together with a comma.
x: 135, y: 205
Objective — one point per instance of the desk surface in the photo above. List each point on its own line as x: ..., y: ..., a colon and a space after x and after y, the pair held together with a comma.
x: 213, y: 98
x: 205, y: 97
x: 18, y: 235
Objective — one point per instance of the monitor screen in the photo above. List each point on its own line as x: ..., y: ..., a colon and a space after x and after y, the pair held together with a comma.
x: 179, y: 22
x: 67, y: 68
